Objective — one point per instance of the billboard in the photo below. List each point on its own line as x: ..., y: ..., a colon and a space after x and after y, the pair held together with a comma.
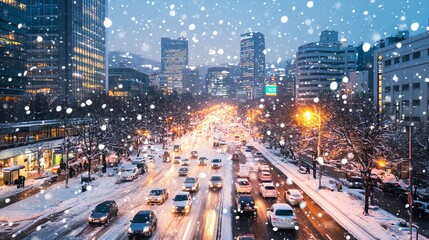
x: 271, y: 90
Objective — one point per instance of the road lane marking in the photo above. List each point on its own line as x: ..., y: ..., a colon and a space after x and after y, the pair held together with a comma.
x: 328, y: 236
x: 188, y: 227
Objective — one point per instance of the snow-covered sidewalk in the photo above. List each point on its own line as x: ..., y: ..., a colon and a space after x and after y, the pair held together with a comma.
x: 345, y: 207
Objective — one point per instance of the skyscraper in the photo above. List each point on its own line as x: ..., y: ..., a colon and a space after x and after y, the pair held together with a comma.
x: 174, y: 58
x: 218, y: 82
x: 66, y: 54
x: 252, y: 62
x: 318, y: 64
x: 12, y: 49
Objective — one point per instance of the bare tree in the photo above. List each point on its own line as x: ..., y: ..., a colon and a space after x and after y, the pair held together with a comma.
x: 361, y: 136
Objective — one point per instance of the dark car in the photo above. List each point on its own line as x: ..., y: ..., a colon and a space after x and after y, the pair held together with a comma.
x: 143, y: 224
x: 103, y: 213
x: 183, y: 171
x: 157, y: 195
x: 245, y: 203
x: 389, y: 187
x: 194, y: 154
x: 355, y: 182
x: 235, y: 157
x: 142, y: 167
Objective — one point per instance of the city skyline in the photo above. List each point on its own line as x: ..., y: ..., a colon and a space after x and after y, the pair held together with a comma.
x: 214, y: 28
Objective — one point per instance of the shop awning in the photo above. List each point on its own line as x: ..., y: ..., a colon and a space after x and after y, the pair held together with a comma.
x: 13, y: 168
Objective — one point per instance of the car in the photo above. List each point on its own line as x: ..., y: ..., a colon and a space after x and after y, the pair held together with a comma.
x: 202, y: 161
x: 191, y: 184
x: 282, y: 216
x: 103, y: 213
x: 182, y: 202
x: 129, y: 172
x: 185, y: 162
x: 245, y: 203
x: 246, y: 237
x: 421, y: 208
x: 194, y: 154
x: 242, y: 185
x: 183, y: 171
x: 216, y: 163
x: 259, y: 156
x: 354, y: 182
x: 143, y: 224
x: 268, y: 189
x: 265, y: 176
x: 141, y: 165
x: 157, y: 195
x: 294, y: 196
x: 264, y: 166
x: 235, y: 157
x: 389, y: 187
x: 177, y: 159
x: 166, y: 157
x: 215, y: 182
x: 177, y: 148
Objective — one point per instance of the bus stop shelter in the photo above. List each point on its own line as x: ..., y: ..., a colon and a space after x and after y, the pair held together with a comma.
x: 10, y: 174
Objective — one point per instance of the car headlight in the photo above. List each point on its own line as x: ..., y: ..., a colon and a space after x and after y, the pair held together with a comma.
x: 211, y: 184
x: 90, y: 218
x: 103, y: 218
x: 130, y: 230
x: 194, y: 187
x: 146, y: 229
x: 147, y: 198
x: 183, y: 187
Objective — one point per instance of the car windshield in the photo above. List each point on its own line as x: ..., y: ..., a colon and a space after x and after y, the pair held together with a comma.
x: 246, y: 199
x: 101, y: 209
x: 180, y: 198
x: 270, y: 187
x: 216, y: 160
x: 243, y: 182
x: 215, y: 178
x: 190, y: 180
x: 141, y: 218
x: 183, y: 169
x: 284, y: 212
x: 155, y: 192
x: 296, y: 195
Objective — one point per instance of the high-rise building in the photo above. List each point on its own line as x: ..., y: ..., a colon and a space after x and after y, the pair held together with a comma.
x: 252, y: 62
x: 319, y: 64
x: 218, y: 82
x: 174, y: 58
x: 12, y: 49
x: 191, y: 80
x: 66, y: 54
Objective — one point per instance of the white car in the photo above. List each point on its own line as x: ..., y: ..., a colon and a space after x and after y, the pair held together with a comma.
x: 268, y: 189
x: 259, y: 156
x: 182, y: 202
x: 264, y: 167
x: 216, y: 162
x: 294, y: 196
x: 177, y: 159
x: 282, y: 216
x: 129, y: 172
x: 191, y: 184
x: 265, y: 176
x: 242, y: 185
x: 185, y: 162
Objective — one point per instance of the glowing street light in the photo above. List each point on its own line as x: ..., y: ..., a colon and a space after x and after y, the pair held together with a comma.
x: 308, y: 118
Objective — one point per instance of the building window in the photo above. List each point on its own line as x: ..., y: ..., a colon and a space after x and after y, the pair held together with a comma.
x: 405, y: 103
x: 416, y: 102
x: 396, y: 88
x: 387, y: 89
x: 406, y: 58
x: 416, y: 55
x: 388, y: 62
x: 396, y: 60
x: 405, y: 87
x: 416, y: 86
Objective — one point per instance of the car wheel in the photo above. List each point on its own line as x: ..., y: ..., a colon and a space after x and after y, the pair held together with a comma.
x: 107, y: 221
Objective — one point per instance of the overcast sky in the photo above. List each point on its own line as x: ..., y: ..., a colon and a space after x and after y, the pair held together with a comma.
x: 213, y: 27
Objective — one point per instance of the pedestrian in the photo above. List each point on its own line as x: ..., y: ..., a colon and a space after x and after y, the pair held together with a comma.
x: 80, y: 166
x: 23, y: 181
x: 307, y: 170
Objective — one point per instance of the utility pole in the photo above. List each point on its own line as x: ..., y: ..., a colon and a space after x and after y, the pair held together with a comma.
x: 410, y: 170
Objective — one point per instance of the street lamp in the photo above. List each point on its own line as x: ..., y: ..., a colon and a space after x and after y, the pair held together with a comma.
x: 308, y: 115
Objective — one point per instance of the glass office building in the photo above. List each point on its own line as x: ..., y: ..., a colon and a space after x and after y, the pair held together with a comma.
x: 174, y: 58
x: 12, y: 49
x: 66, y: 55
